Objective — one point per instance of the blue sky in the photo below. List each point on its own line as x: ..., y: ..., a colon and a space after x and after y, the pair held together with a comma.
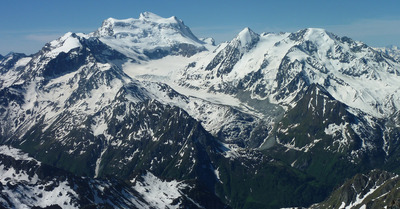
x: 26, y: 25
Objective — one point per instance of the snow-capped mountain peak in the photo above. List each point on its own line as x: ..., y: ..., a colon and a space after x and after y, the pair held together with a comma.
x: 172, y: 22
x: 151, y: 35
x: 65, y: 43
x: 317, y: 34
x: 246, y: 38
x: 151, y: 17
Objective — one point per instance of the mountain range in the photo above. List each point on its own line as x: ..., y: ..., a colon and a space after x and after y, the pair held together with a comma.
x: 143, y: 114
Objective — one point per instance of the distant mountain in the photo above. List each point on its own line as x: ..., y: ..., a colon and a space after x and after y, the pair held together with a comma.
x: 242, y: 124
x: 150, y: 35
x: 392, y: 51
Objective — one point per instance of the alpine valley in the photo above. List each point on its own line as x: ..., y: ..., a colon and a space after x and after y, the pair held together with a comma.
x: 143, y: 114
